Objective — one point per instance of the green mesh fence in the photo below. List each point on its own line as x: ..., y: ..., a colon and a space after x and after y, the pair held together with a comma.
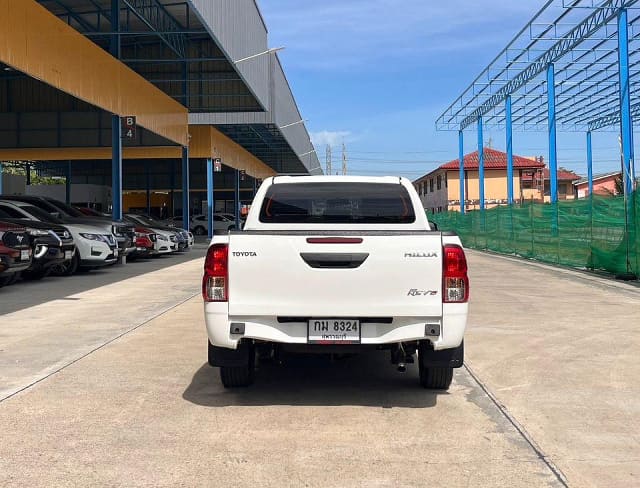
x: 588, y: 233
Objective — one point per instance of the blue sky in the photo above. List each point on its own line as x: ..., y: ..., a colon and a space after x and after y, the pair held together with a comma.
x: 377, y: 74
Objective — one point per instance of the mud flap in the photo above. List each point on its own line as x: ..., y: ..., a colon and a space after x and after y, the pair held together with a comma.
x: 446, y: 358
x: 229, y: 358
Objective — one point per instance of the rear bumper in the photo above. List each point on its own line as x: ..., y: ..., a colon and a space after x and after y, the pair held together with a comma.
x: 402, y: 329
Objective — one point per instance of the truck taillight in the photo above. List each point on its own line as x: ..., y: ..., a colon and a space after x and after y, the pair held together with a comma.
x: 455, y: 282
x: 216, y: 274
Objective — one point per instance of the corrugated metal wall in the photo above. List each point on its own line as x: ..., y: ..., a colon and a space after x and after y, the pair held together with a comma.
x: 286, y: 112
x: 239, y: 30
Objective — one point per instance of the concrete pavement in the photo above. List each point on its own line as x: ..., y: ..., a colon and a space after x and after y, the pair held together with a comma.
x: 36, y: 341
x: 560, y: 349
x: 553, y: 353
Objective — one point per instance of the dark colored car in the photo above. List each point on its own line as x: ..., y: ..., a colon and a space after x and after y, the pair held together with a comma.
x: 123, y: 231
x: 51, y: 245
x: 15, y: 252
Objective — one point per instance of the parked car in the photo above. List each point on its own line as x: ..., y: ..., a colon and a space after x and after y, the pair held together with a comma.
x: 336, y: 265
x: 222, y: 223
x: 96, y: 246
x: 91, y: 212
x: 15, y: 252
x: 146, y: 240
x: 178, y: 236
x: 51, y: 244
x: 123, y: 231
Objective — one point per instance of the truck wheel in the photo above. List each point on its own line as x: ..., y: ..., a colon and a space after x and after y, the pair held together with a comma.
x: 435, y: 377
x: 240, y: 374
x: 237, y: 376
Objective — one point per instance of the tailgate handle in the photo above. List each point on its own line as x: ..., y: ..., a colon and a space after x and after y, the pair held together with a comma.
x: 327, y: 260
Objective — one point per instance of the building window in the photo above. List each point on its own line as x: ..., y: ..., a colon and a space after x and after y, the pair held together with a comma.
x: 431, y: 185
x: 439, y: 182
x: 562, y: 189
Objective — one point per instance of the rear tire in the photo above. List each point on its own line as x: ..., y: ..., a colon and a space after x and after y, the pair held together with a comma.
x: 435, y: 377
x: 237, y: 376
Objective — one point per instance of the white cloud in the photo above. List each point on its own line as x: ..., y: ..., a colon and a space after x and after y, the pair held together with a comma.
x: 330, y: 138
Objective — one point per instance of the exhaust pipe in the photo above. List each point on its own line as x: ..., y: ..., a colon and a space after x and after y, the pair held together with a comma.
x: 402, y: 368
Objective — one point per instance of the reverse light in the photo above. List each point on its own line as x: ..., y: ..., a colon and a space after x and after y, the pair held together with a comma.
x: 455, y: 282
x: 216, y: 274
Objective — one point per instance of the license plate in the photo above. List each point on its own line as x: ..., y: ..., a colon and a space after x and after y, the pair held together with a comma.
x: 68, y: 254
x: 24, y: 255
x: 334, y: 331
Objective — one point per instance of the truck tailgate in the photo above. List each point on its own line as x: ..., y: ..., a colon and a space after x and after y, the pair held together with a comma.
x: 384, y: 275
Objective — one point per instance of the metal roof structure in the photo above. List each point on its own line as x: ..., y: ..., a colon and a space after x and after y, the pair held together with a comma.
x: 212, y: 57
x: 580, y: 38
x: 573, y: 67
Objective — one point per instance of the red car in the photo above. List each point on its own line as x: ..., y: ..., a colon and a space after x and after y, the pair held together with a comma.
x: 15, y: 252
x: 145, y: 243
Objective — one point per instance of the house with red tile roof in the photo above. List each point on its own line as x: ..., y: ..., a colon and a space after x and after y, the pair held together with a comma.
x: 603, y: 184
x: 439, y: 190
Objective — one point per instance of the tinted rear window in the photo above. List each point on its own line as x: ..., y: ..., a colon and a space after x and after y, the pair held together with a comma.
x: 337, y: 203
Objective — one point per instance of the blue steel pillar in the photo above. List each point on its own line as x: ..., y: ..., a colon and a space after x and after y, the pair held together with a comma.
x: 553, y: 150
x: 210, y: 201
x: 461, y: 159
x: 589, y: 164
x: 116, y: 129
x: 480, y: 164
x: 626, y: 125
x: 509, y: 151
x: 1, y: 171
x: 185, y: 188
x: 236, y: 201
x: 67, y: 184
x: 116, y: 167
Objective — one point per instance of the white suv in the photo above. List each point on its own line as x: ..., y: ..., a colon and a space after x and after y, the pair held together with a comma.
x: 96, y: 246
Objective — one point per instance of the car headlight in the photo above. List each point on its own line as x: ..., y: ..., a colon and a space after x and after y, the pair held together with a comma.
x: 38, y: 232
x: 92, y: 237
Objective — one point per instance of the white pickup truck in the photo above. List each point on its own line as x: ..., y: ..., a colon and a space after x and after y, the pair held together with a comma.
x: 336, y: 264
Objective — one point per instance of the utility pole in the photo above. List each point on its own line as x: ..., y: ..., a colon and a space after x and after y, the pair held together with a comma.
x: 344, y: 159
x: 328, y: 159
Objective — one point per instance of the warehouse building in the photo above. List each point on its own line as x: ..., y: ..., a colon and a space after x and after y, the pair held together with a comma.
x: 171, y: 105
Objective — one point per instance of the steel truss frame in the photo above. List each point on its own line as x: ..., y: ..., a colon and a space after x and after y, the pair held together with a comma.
x: 573, y: 67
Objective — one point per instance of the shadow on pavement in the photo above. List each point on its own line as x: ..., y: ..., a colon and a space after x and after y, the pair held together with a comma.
x: 25, y: 294
x: 365, y: 380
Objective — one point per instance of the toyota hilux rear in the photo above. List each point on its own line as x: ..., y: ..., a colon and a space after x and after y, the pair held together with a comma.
x: 336, y: 265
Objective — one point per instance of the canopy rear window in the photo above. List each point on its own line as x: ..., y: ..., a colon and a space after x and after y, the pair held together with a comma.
x: 337, y: 203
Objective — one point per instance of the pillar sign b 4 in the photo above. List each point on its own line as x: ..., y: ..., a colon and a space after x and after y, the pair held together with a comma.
x: 128, y: 127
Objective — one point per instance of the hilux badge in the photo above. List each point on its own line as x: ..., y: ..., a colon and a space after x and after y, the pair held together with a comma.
x: 431, y: 254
